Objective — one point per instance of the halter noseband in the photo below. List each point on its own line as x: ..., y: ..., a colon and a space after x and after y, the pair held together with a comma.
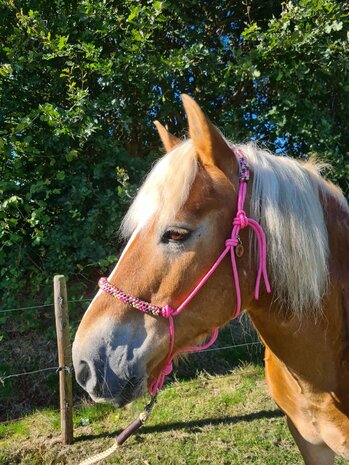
x: 240, y: 221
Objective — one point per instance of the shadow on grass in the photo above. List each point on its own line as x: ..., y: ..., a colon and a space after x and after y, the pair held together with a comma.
x: 193, y: 426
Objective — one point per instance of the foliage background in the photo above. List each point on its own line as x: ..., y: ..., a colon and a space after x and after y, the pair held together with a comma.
x: 81, y: 82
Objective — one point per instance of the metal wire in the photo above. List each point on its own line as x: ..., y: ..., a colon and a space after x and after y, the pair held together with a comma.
x: 177, y: 385
x: 16, y: 375
x: 35, y: 307
x: 231, y: 347
x: 171, y: 386
x: 77, y: 301
x: 7, y: 310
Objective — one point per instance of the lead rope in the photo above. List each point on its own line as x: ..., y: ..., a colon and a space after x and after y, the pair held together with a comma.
x: 123, y: 436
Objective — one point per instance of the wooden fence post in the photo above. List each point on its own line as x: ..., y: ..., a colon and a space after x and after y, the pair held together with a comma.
x: 64, y: 358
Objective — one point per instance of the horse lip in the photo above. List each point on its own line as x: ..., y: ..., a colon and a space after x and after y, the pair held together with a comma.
x: 132, y: 389
x: 119, y: 403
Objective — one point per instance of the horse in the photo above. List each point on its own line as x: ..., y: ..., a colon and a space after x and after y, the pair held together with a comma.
x: 177, y: 226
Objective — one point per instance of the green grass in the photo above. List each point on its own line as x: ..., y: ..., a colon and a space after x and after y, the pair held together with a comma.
x: 219, y: 420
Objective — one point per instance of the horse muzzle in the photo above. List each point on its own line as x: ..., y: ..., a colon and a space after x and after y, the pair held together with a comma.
x: 109, y: 371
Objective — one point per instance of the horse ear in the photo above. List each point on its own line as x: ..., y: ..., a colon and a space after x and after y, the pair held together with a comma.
x: 208, y: 142
x: 167, y: 138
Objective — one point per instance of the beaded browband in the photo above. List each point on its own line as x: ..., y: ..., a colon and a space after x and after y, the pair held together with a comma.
x: 232, y: 245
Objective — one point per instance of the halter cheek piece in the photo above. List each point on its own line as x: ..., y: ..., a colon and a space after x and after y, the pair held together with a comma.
x: 232, y: 245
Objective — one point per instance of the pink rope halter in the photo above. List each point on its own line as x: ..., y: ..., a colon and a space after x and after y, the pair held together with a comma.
x: 240, y: 221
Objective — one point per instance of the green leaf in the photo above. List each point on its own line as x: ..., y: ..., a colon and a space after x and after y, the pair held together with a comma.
x: 6, y: 70
x: 134, y: 13
x: 62, y: 41
x: 337, y: 25
x: 71, y: 155
x: 158, y: 5
x: 60, y: 175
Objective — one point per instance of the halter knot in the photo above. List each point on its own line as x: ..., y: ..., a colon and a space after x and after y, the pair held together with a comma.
x: 241, y: 219
x: 166, y: 311
x: 231, y: 242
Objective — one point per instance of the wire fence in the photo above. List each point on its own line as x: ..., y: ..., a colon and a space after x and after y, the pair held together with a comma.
x: 171, y: 386
x: 33, y: 372
x: 6, y: 377
x: 68, y: 369
x: 36, y: 307
x: 24, y: 373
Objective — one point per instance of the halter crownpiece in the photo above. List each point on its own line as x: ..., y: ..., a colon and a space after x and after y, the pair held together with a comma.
x: 232, y: 245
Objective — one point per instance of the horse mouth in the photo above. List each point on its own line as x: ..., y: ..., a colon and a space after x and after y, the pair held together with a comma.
x: 132, y: 389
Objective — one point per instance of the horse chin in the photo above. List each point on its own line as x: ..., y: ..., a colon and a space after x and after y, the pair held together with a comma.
x: 130, y: 392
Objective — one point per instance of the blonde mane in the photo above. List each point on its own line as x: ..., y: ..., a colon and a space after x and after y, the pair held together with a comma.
x: 285, y: 200
x: 165, y: 189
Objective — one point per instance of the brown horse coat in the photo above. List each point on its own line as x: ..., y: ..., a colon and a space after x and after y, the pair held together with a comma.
x: 178, y: 225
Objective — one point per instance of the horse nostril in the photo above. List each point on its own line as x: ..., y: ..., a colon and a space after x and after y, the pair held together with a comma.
x: 83, y: 374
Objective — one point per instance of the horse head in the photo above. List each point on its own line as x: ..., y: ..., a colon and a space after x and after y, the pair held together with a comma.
x: 177, y: 226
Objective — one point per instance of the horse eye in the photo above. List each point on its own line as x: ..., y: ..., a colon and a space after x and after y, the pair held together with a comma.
x: 175, y: 235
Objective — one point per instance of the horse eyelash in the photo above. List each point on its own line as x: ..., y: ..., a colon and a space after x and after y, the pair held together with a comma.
x: 167, y: 240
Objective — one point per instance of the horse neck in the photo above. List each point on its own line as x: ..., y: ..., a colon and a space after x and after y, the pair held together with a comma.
x: 311, y: 349
x: 315, y: 347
